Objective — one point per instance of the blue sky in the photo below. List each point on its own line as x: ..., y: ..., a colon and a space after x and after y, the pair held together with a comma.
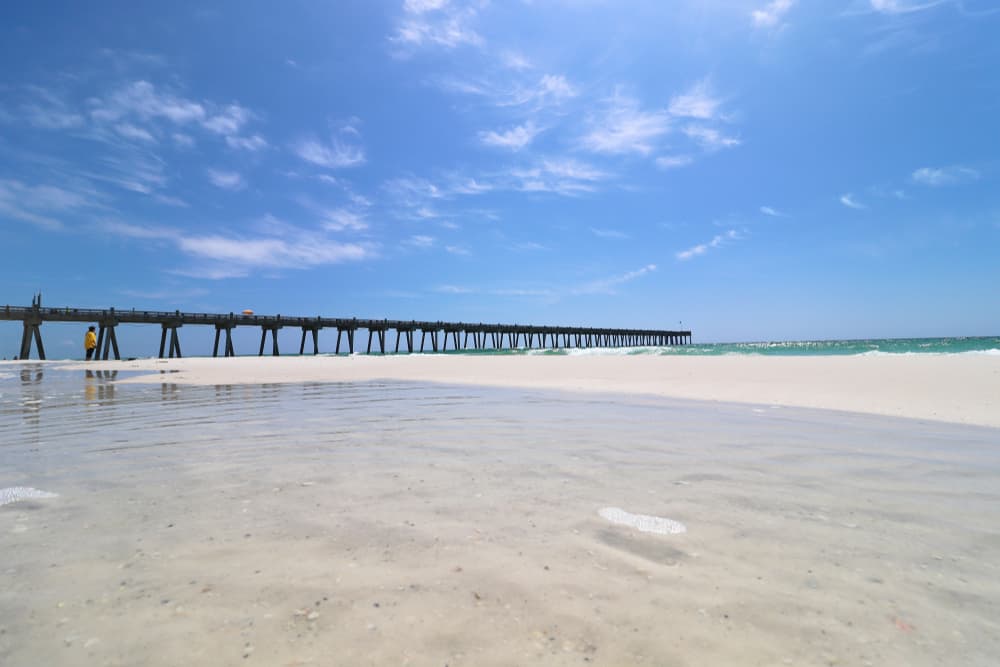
x: 755, y: 170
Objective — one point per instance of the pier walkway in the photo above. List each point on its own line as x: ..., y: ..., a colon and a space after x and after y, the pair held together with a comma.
x: 440, y: 334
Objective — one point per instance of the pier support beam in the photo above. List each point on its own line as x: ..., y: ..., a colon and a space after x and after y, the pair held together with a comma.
x: 175, y: 343
x: 32, y: 331
x: 315, y: 337
x: 107, y: 342
x: 273, y: 328
x: 228, y: 348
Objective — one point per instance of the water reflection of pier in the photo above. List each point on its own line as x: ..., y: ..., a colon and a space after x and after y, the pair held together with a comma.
x: 442, y: 336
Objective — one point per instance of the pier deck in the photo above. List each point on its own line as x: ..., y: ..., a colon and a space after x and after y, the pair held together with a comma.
x: 442, y: 336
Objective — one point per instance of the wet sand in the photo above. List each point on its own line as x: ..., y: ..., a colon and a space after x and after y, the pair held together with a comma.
x: 962, y: 389
x: 428, y: 524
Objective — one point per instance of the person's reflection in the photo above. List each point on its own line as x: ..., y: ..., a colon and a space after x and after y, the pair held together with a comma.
x: 89, y: 387
x: 99, y: 386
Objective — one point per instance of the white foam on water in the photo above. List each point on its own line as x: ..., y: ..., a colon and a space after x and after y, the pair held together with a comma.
x: 643, y: 522
x: 13, y: 494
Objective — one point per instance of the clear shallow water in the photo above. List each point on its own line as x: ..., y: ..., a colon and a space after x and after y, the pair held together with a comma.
x: 962, y: 345
x: 430, y: 524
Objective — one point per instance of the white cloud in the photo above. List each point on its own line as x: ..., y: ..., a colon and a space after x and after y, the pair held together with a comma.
x: 182, y: 140
x: 306, y: 251
x: 608, y: 233
x: 421, y: 6
x: 514, y: 139
x: 141, y: 98
x: 849, y: 201
x: 954, y: 175
x: 767, y: 210
x: 137, y: 231
x: 456, y: 250
x: 454, y: 289
x: 227, y: 180
x: 37, y: 204
x: 420, y: 241
x: 412, y: 190
x: 573, y: 169
x: 625, y: 128
x: 52, y: 119
x: 673, y: 161
x: 340, y: 218
x: 559, y: 176
x: 607, y: 285
x: 251, y: 143
x: 702, y: 248
x: 710, y: 138
x: 49, y: 111
x: 340, y: 152
x: 432, y: 22
x: 130, y: 131
x: 550, y: 90
x: 515, y: 61
x: 470, y: 186
x: 697, y: 102
x: 229, y: 121
x: 904, y: 6
x: 772, y: 13
x: 554, y: 86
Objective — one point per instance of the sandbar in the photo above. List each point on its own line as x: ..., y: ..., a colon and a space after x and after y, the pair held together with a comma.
x: 963, y: 389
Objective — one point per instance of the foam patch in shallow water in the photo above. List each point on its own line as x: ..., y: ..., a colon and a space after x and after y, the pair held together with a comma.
x: 643, y: 522
x: 13, y: 494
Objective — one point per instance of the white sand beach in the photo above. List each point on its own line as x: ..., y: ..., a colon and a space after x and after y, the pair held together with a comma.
x: 962, y: 389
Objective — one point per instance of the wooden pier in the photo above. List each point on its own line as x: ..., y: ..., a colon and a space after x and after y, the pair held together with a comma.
x: 442, y: 336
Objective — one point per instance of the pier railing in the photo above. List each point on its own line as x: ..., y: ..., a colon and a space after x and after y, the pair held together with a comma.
x: 483, y: 335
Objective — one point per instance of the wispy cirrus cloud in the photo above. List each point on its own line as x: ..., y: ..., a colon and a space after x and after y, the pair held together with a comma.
x: 609, y: 233
x: 436, y: 23
x: 771, y: 14
x: 339, y: 219
x: 514, y: 139
x: 904, y: 6
x: 130, y: 131
x: 420, y: 241
x: 281, y: 246
x: 942, y: 176
x: 42, y: 205
x: 343, y: 149
x: 252, y: 143
x: 673, y: 161
x: 138, y: 111
x: 697, y: 102
x: 623, y: 127
x: 608, y: 285
x: 717, y: 241
x: 49, y: 111
x: 305, y: 251
x: 710, y: 138
x: 773, y: 212
x: 227, y: 180
x: 142, y: 99
x: 558, y: 176
x: 548, y: 91
x: 849, y: 201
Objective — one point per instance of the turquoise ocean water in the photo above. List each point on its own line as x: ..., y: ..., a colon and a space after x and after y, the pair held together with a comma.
x: 989, y: 345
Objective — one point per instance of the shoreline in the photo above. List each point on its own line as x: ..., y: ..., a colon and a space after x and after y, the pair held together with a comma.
x: 945, y: 388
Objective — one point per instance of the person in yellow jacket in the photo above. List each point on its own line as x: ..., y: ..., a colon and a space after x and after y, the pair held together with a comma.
x: 90, y: 343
